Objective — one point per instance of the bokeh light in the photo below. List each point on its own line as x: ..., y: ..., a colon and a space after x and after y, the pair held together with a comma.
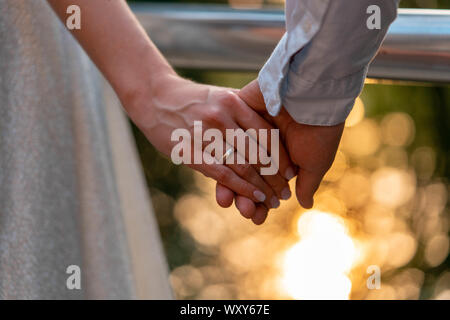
x: 379, y: 205
x: 317, y: 267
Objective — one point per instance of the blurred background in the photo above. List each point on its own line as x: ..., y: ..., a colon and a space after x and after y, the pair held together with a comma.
x: 384, y: 203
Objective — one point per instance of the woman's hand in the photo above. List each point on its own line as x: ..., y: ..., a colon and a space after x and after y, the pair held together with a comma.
x: 159, y: 101
x: 176, y: 103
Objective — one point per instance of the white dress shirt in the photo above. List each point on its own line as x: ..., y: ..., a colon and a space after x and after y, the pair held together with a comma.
x: 319, y: 66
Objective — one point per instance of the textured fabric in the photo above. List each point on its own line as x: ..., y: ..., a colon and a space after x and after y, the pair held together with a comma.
x: 59, y: 200
x: 319, y: 66
x: 149, y: 265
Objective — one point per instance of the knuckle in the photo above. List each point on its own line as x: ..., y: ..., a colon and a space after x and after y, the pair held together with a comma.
x: 228, y: 99
x: 213, y: 116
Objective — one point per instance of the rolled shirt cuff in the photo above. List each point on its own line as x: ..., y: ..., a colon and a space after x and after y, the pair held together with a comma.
x: 272, y: 78
x: 324, y: 103
x: 319, y: 67
x: 303, y: 19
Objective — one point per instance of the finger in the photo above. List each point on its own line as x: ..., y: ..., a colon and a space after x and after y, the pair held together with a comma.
x: 226, y: 155
x: 248, y: 172
x: 224, y: 196
x: 246, y: 146
x: 279, y: 184
x: 276, y: 182
x: 231, y: 180
x: 247, y: 118
x: 253, y: 96
x: 260, y: 215
x: 246, y: 207
x: 306, y: 186
x: 280, y: 159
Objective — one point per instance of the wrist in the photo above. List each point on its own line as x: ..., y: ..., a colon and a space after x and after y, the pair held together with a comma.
x: 138, y: 93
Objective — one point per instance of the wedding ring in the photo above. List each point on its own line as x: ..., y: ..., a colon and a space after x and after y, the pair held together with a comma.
x: 227, y: 154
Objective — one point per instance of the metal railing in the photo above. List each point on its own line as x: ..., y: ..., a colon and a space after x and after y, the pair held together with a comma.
x: 417, y: 47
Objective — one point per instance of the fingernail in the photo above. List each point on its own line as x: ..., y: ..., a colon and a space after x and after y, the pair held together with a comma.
x: 275, y: 202
x: 259, y: 196
x: 286, y: 193
x: 289, y: 173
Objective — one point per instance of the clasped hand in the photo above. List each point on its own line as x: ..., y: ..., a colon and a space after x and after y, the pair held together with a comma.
x: 305, y: 151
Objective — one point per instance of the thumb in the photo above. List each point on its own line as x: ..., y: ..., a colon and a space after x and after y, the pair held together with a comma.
x: 306, y: 186
x: 252, y: 96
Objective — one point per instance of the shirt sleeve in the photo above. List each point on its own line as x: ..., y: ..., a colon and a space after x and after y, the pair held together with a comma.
x: 319, y: 66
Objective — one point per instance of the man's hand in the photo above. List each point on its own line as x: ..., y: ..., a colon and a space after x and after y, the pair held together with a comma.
x: 311, y: 148
x: 178, y: 104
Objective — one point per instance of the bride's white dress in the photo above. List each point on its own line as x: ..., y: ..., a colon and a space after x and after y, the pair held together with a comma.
x: 71, y: 189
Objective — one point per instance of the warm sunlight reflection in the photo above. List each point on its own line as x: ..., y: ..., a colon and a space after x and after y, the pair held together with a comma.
x: 379, y: 205
x: 317, y: 266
